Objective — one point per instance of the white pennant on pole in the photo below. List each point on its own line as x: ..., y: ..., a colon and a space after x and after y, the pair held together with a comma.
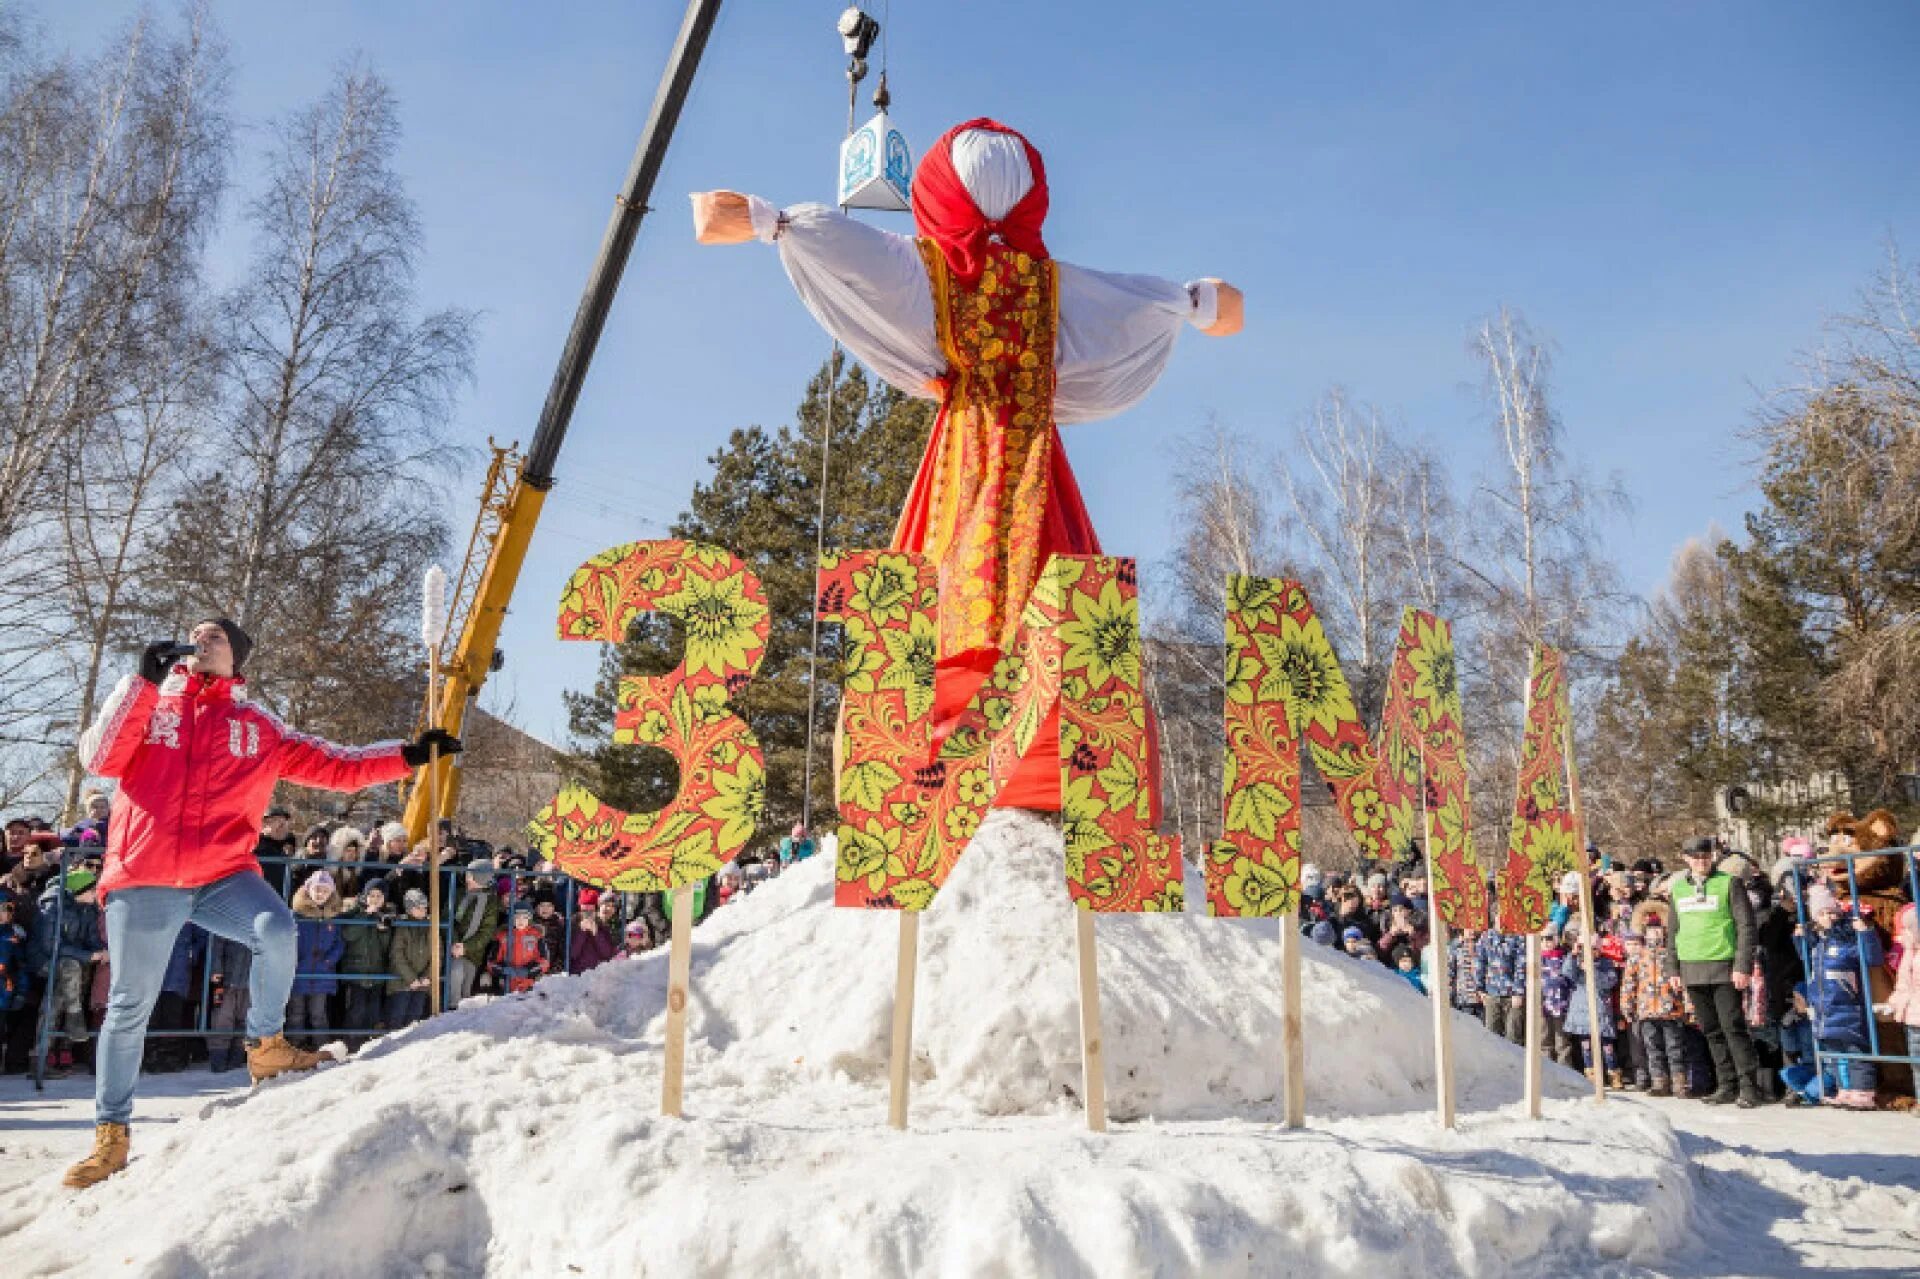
x: 433, y: 608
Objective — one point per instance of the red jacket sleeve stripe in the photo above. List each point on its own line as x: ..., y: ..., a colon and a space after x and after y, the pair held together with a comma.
x: 305, y: 760
x: 109, y: 743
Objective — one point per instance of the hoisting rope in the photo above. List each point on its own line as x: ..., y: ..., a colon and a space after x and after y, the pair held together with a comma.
x: 856, y: 72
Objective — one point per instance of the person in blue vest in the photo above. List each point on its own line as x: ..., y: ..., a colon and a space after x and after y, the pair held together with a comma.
x: 1712, y: 946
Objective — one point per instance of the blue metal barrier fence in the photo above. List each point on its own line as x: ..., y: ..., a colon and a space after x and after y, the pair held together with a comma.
x: 453, y: 891
x: 1909, y: 856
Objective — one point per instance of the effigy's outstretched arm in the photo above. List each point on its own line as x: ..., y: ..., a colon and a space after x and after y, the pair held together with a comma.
x: 1117, y: 333
x: 865, y: 286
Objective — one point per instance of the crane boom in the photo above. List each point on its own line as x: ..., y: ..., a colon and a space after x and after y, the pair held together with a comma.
x: 473, y: 656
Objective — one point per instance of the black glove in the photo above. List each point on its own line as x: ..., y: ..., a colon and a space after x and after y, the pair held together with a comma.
x: 157, y: 659
x: 418, y: 751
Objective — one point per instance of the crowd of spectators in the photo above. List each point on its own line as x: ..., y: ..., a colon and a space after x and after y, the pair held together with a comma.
x: 1792, y: 989
x: 364, y: 942
x: 360, y: 900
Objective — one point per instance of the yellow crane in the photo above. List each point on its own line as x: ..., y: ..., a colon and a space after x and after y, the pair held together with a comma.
x: 517, y: 485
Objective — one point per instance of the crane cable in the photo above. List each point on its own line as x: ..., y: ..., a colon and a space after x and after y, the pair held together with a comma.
x: 856, y: 72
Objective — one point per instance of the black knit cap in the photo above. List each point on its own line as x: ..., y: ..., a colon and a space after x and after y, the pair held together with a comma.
x: 238, y: 640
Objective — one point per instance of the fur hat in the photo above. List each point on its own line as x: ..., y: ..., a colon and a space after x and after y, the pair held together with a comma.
x: 392, y: 830
x: 345, y: 835
x: 1650, y: 912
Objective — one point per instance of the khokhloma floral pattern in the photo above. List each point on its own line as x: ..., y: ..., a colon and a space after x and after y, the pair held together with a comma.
x: 723, y: 613
x: 909, y: 804
x: 1541, y: 845
x: 1285, y: 687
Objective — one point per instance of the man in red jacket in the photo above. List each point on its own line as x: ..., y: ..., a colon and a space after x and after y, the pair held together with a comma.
x: 197, y: 764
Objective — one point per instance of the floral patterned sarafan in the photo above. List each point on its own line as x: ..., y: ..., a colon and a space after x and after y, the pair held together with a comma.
x: 1285, y: 687
x: 1087, y: 613
x: 995, y: 442
x: 910, y: 803
x: 1541, y: 843
x: 723, y: 613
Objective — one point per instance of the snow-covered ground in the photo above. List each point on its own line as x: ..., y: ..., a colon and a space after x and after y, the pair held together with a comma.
x: 522, y: 1136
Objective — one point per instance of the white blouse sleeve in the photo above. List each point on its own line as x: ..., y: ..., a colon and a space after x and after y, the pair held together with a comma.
x: 865, y: 286
x: 1116, y: 335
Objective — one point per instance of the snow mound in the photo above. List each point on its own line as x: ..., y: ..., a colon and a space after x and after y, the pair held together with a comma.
x: 522, y: 1135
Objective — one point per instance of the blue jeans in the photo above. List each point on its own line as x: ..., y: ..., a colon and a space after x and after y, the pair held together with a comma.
x: 141, y: 926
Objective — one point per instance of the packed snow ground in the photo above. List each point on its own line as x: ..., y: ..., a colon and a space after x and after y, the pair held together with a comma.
x: 522, y: 1136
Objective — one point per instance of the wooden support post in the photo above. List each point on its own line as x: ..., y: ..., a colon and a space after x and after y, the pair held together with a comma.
x: 1441, y: 992
x: 1536, y: 1023
x: 1293, y: 1047
x: 436, y: 986
x: 1442, y: 1024
x: 1093, y: 1054
x: 900, y: 1054
x: 1595, y: 1051
x: 679, y: 970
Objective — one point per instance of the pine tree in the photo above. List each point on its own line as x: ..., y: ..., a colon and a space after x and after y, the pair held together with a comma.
x: 761, y: 502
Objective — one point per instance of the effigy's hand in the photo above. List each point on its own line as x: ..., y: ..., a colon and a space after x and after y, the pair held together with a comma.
x: 1231, y: 313
x: 721, y: 217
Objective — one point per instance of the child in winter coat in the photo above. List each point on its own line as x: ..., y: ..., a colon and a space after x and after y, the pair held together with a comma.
x: 367, y: 931
x: 1355, y: 943
x: 1904, y: 1004
x: 520, y: 952
x: 1567, y: 907
x: 1804, y: 1088
x: 638, y: 941
x: 318, y: 949
x: 1653, y: 999
x: 410, y: 957
x: 552, y: 925
x: 1554, y: 991
x: 1407, y: 964
x: 1607, y: 956
x: 1839, y: 949
x: 1500, y: 975
x: 63, y: 960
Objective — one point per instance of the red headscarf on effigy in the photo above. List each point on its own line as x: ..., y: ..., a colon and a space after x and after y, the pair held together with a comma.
x: 944, y: 211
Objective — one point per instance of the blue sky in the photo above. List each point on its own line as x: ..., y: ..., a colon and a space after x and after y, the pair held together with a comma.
x: 1679, y: 195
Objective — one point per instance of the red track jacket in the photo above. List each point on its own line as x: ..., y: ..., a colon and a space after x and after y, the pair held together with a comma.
x: 197, y: 764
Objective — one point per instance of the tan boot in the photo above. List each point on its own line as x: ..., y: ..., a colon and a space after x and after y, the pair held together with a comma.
x: 109, y: 1156
x: 275, y: 1056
